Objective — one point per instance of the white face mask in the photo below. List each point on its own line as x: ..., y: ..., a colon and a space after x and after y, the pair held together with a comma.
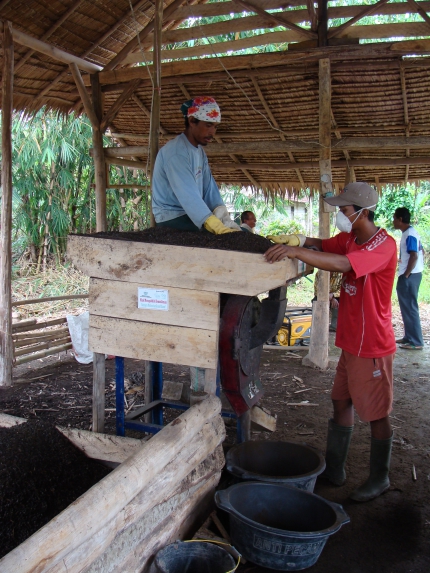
x: 344, y: 224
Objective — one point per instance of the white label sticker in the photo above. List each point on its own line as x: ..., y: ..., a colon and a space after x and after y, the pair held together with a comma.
x: 152, y: 298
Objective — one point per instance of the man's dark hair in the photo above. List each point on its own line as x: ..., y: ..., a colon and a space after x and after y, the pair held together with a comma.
x: 371, y: 214
x: 187, y: 122
x: 245, y: 215
x: 403, y: 214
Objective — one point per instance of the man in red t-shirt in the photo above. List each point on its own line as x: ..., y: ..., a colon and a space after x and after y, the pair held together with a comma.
x: 367, y: 257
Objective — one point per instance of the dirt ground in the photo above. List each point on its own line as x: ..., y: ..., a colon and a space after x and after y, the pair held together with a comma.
x: 388, y: 535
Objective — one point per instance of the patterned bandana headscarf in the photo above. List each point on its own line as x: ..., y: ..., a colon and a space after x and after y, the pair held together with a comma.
x: 204, y: 108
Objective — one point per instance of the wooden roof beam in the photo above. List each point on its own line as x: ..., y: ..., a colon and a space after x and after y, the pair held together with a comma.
x: 366, y: 12
x: 277, y: 19
x: 49, y: 32
x: 51, y: 51
x: 112, y: 112
x: 100, y: 41
x: 337, y: 164
x: 148, y: 29
x: 420, y: 10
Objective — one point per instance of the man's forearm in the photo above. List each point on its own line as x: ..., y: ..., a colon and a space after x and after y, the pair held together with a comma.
x: 324, y: 261
x: 413, y: 257
x: 313, y: 242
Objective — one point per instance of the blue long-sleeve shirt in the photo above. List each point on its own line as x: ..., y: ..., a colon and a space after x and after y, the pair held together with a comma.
x: 183, y: 183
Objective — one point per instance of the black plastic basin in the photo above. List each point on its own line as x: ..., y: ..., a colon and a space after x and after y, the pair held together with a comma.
x: 192, y: 557
x: 287, y: 463
x: 279, y: 526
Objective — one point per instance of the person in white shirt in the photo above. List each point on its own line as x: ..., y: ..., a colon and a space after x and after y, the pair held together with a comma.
x: 248, y: 221
x: 411, y: 266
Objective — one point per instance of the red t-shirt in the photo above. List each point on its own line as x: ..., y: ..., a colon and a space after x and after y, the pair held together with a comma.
x: 364, y: 325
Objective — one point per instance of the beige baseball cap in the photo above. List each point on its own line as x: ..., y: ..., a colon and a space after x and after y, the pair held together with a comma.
x: 359, y: 193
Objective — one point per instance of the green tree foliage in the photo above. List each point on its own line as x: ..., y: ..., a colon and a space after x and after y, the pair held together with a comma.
x: 53, y: 195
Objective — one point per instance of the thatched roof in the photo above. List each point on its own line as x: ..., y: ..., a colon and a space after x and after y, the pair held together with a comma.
x: 269, y: 101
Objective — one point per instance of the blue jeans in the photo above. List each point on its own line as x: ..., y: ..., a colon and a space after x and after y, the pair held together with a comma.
x: 407, y: 292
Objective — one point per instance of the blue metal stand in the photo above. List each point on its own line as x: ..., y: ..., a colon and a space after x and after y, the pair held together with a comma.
x: 124, y: 422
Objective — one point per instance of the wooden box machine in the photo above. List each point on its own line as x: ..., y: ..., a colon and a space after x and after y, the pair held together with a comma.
x: 170, y: 304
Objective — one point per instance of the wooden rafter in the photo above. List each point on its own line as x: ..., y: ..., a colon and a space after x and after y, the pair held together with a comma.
x: 49, y: 32
x: 277, y: 19
x: 146, y: 111
x: 148, y: 29
x: 312, y: 15
x: 420, y: 10
x: 100, y: 41
x: 339, y: 164
x: 112, y: 112
x: 86, y: 101
x: 3, y: 4
x: 276, y: 124
x: 366, y: 12
x: 51, y: 51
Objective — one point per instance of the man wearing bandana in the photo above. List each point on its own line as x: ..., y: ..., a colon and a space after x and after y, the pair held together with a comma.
x: 367, y: 257
x: 185, y: 195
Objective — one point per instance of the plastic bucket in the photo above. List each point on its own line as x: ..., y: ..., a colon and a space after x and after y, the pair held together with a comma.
x: 287, y: 463
x: 193, y: 557
x: 278, y: 526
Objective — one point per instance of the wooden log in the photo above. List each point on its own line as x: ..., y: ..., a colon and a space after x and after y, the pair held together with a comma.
x: 129, y: 540
x: 184, y: 267
x: 21, y: 327
x: 43, y: 353
x: 196, y: 308
x: 146, y: 470
x: 6, y: 347
x: 156, y: 342
x: 48, y: 299
x: 52, y: 51
x: 26, y: 322
x: 99, y: 162
x: 42, y: 345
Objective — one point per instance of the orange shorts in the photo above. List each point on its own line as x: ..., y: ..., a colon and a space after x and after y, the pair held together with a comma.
x: 368, y: 382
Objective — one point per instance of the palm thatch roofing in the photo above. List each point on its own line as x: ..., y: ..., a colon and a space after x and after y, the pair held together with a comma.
x: 380, y: 75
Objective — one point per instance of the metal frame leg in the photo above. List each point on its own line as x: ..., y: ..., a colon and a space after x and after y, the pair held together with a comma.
x: 157, y: 391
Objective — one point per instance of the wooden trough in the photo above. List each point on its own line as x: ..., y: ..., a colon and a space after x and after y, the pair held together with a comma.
x: 186, y: 329
x: 160, y: 491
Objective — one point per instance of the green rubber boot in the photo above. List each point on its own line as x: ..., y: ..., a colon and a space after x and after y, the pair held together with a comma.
x: 338, y: 440
x: 378, y: 480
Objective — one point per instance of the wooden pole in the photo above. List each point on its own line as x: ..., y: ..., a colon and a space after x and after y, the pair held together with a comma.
x: 318, y: 348
x: 156, y: 97
x: 6, y: 345
x: 99, y: 368
x: 322, y: 23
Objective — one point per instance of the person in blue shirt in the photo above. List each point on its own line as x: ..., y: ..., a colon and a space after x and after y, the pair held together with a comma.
x: 184, y: 193
x: 411, y: 266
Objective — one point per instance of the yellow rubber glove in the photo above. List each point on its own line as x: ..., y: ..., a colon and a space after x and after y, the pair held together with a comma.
x: 214, y: 225
x: 290, y: 240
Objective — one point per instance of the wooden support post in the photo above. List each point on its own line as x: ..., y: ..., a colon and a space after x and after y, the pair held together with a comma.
x: 156, y: 96
x: 318, y: 348
x: 6, y: 344
x: 322, y: 23
x: 99, y: 378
